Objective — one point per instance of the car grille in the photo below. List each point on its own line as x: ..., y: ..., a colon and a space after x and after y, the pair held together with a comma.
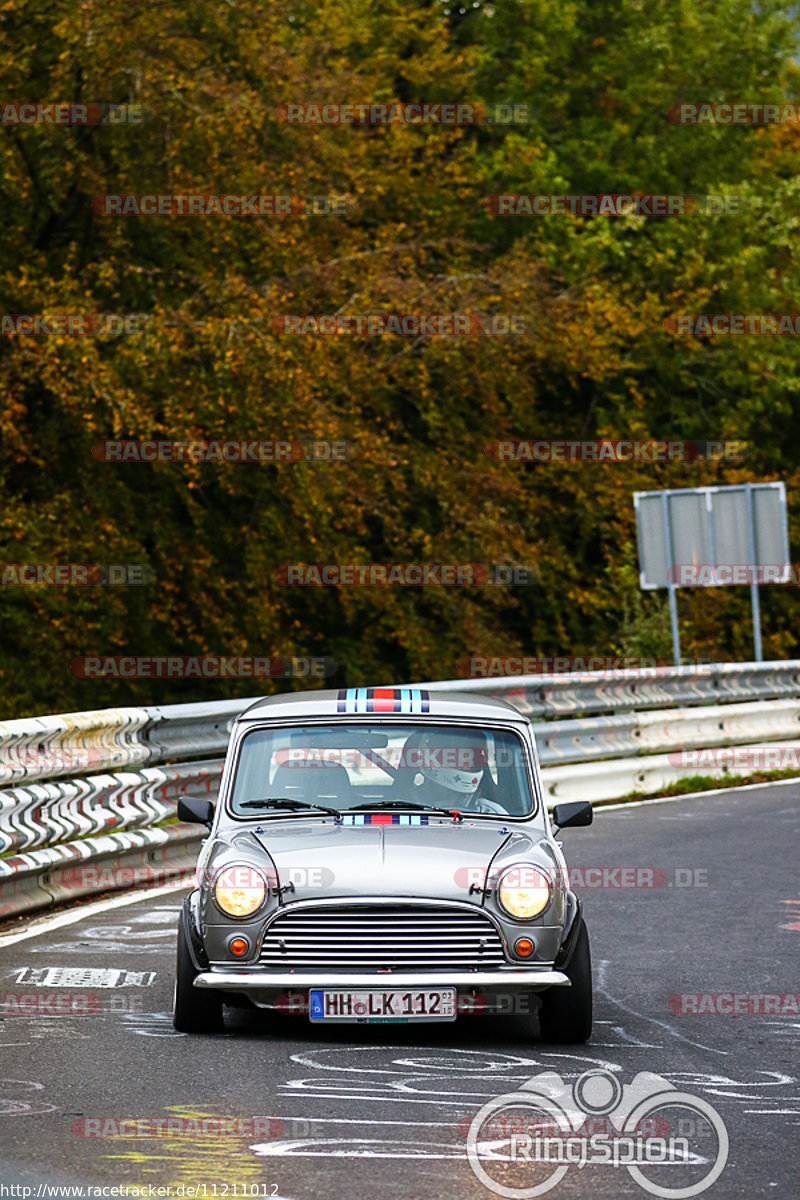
x: 380, y: 937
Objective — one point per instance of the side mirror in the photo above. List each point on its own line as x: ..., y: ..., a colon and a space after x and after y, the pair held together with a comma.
x: 195, y: 809
x: 578, y: 812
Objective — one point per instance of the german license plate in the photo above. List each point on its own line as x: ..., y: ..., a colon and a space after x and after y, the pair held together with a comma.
x: 382, y: 1007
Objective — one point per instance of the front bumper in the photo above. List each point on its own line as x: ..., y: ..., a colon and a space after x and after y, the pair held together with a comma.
x: 256, y: 981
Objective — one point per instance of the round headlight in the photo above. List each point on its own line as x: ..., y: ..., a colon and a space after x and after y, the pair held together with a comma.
x: 524, y: 892
x: 240, y: 890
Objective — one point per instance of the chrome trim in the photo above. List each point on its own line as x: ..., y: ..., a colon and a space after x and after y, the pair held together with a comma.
x: 233, y: 981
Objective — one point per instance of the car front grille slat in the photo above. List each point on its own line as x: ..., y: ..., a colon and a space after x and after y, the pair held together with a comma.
x: 382, y: 938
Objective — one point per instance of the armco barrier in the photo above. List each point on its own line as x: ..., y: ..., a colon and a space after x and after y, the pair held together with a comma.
x: 48, y: 747
x: 47, y: 814
x: 186, y: 730
x: 551, y: 696
x: 113, y: 862
x: 87, y: 800
x: 612, y: 778
x: 638, y: 733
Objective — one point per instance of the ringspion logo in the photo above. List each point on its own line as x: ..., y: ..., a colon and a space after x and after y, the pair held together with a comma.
x: 651, y: 1125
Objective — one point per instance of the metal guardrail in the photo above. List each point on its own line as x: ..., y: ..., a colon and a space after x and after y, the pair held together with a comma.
x: 612, y: 778
x: 638, y: 733
x: 186, y: 730
x: 48, y: 747
x: 579, y: 693
x: 74, y: 821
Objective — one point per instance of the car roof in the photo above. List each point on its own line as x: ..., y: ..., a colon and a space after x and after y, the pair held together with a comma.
x: 385, y: 702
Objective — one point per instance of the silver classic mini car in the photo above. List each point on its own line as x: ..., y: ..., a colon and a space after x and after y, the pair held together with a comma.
x: 383, y: 855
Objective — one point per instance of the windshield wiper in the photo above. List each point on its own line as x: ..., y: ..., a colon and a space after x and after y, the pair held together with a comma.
x: 407, y: 804
x: 289, y: 803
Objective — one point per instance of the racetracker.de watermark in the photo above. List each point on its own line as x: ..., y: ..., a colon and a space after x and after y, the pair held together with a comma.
x: 735, y: 1004
x: 401, y: 325
x: 739, y: 758
x: 272, y: 450
x: 611, y: 204
x: 394, y: 113
x: 733, y: 324
x: 72, y: 324
x: 84, y: 877
x: 175, y: 666
x: 741, y: 112
x: 488, y: 666
x: 66, y: 1004
x: 75, y: 574
x: 721, y: 574
x: 196, y: 1128
x: 600, y: 878
x: 222, y: 204
x: 612, y: 450
x: 65, y: 112
x: 404, y: 575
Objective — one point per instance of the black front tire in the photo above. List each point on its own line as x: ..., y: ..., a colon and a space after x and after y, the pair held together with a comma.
x: 195, y: 1010
x: 565, y: 1016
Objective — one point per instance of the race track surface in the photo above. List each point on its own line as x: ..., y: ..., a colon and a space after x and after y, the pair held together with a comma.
x: 382, y: 1113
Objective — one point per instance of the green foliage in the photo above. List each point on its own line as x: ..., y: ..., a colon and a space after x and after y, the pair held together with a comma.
x: 415, y: 237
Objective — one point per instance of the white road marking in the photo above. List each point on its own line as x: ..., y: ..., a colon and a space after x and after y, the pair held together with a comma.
x: 94, y: 977
x: 346, y: 1148
x: 61, y: 920
x: 600, y: 987
x: 355, y: 1121
x: 511, y: 1060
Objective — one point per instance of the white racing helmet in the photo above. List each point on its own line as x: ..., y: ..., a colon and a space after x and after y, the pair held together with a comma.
x: 452, y: 760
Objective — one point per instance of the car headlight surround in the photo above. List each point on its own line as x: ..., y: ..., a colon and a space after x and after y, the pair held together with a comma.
x: 524, y: 891
x: 240, y: 889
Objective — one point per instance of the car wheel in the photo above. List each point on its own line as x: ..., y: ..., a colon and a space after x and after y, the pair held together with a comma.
x: 565, y: 1016
x: 194, y: 1010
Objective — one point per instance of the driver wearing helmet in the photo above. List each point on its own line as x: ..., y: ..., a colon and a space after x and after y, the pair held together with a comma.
x: 448, y: 769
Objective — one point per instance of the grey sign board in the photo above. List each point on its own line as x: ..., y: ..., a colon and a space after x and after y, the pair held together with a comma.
x: 713, y: 537
x: 695, y: 537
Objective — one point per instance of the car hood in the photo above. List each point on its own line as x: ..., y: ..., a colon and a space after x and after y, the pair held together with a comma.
x: 439, y: 860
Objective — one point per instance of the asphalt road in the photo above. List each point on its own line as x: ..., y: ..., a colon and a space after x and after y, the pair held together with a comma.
x: 382, y: 1113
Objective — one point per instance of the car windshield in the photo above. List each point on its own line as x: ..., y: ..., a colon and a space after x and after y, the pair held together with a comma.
x: 388, y: 766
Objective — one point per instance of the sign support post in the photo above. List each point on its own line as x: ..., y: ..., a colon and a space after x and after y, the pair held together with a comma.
x: 671, y: 586
x: 754, y: 599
